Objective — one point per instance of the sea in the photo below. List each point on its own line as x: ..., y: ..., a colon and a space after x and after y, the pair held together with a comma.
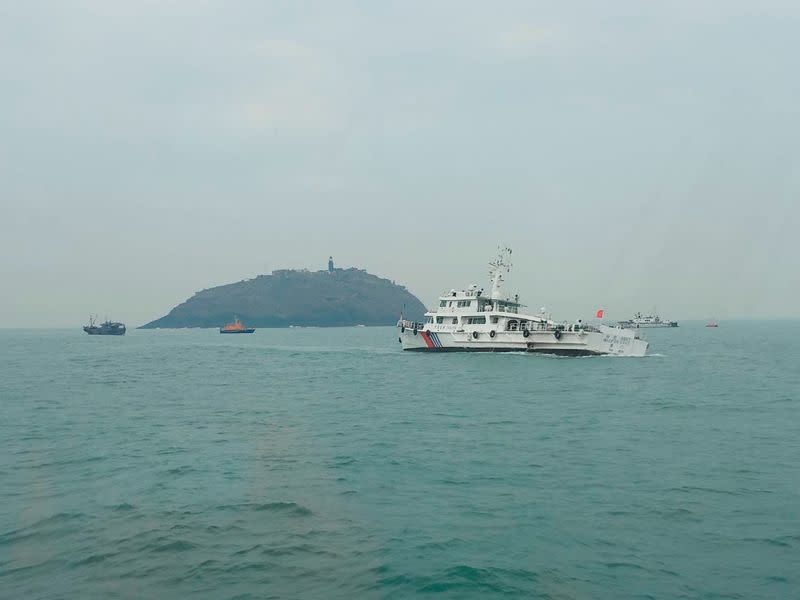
x: 327, y: 463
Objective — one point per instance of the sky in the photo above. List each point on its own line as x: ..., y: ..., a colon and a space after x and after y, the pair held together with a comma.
x: 635, y: 155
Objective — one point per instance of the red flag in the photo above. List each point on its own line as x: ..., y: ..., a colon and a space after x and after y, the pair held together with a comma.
x: 600, y: 313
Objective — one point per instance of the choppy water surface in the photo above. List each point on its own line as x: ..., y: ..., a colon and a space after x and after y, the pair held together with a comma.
x: 326, y: 463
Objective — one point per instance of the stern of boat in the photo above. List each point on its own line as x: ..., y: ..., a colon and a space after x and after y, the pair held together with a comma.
x: 617, y: 341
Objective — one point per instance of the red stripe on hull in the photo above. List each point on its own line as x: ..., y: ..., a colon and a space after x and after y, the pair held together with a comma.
x: 428, y: 341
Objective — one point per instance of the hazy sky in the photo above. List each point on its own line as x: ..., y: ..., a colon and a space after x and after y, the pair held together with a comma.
x: 634, y: 154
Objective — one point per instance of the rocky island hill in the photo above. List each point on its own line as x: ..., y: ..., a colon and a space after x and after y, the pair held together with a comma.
x: 336, y: 297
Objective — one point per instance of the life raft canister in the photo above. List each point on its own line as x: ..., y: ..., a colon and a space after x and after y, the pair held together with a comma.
x: 492, y: 333
x: 475, y: 335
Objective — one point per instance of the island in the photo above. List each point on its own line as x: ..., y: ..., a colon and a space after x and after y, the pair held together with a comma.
x: 329, y: 298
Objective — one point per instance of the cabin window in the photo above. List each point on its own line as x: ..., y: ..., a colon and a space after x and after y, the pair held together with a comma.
x: 512, y: 325
x: 464, y: 303
x: 476, y: 320
x: 494, y: 319
x: 506, y: 307
x: 430, y: 320
x: 443, y: 303
x: 440, y: 320
x: 455, y: 320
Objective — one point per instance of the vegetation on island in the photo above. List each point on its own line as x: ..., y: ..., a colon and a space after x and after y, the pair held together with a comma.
x: 338, y: 297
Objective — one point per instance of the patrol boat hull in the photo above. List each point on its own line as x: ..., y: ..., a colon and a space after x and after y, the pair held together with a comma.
x: 594, y: 341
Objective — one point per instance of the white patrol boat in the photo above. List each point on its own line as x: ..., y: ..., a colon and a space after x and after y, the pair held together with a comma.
x: 639, y: 320
x: 468, y: 320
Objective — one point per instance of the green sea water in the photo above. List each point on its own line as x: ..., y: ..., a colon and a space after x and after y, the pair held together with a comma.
x: 327, y: 463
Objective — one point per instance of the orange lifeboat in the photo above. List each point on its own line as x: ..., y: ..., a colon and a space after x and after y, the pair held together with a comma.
x: 236, y: 327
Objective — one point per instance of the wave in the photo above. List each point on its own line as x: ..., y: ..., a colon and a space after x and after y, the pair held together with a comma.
x: 625, y: 565
x: 172, y: 546
x: 94, y: 559
x: 463, y: 579
x: 40, y: 527
x: 290, y: 508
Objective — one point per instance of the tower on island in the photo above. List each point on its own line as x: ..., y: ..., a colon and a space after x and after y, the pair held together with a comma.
x: 330, y: 264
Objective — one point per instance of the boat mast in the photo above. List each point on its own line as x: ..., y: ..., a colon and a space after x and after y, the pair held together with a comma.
x: 496, y: 268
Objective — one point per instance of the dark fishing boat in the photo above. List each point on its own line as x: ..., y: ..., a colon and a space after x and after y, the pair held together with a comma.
x: 236, y: 327
x: 107, y: 328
